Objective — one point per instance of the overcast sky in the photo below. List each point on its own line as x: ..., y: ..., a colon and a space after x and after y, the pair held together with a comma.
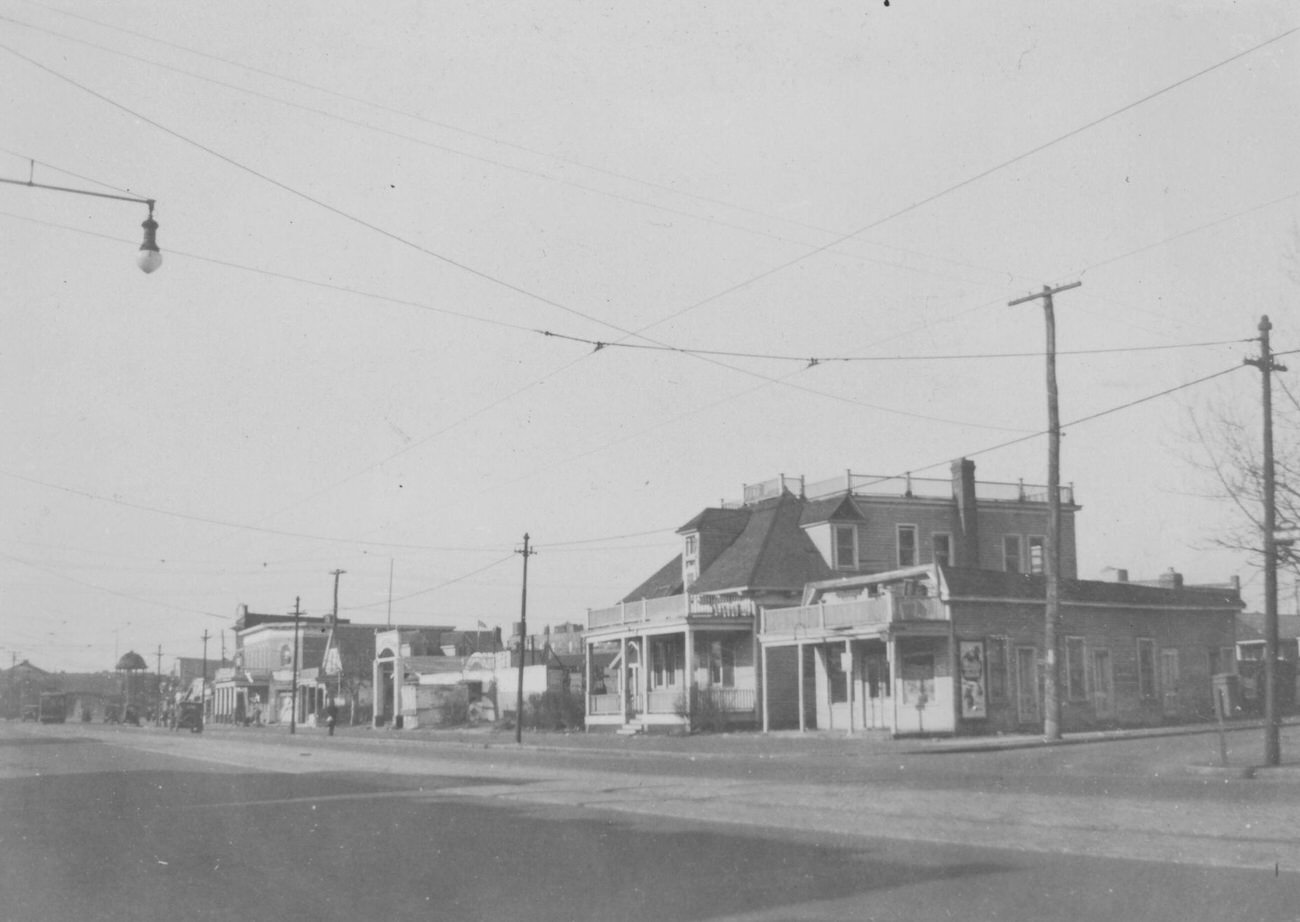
x: 368, y: 214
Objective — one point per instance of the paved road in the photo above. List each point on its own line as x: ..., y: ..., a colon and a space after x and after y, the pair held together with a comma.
x: 106, y: 823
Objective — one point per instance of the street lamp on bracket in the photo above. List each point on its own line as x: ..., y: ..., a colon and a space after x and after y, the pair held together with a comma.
x: 149, y: 257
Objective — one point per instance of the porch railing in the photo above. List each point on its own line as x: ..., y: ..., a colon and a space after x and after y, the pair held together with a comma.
x: 605, y: 704
x: 733, y: 699
x: 882, y: 610
x: 670, y: 608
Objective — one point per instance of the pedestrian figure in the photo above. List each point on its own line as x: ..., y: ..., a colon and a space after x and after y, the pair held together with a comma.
x: 331, y: 716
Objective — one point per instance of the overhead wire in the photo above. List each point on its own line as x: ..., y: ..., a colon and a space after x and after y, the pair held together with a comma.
x: 1081, y: 420
x: 142, y: 507
x: 484, y: 137
x: 113, y: 592
x: 585, y: 316
x: 818, y: 360
x: 955, y: 187
x: 1225, y: 219
x: 66, y: 172
x: 442, y: 585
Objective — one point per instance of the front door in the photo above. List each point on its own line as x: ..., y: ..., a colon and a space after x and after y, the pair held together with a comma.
x: 877, y: 706
x: 1103, y: 684
x: 1027, y: 685
x: 1169, y: 681
x: 633, y: 705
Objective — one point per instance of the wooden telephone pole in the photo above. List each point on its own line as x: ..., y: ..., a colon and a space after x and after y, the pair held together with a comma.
x: 1272, y: 717
x: 293, y: 711
x: 1052, y: 552
x: 203, y: 680
x: 523, y: 639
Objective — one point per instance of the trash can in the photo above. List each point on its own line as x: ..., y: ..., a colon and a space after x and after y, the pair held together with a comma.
x: 1227, y: 694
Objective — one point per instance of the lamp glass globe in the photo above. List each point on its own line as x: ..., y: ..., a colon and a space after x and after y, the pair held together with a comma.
x: 148, y: 260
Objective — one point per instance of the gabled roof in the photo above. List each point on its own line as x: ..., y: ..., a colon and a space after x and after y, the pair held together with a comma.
x: 995, y: 584
x: 768, y: 548
x: 772, y: 552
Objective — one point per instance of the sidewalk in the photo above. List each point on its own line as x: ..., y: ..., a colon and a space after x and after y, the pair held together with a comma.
x: 793, y: 744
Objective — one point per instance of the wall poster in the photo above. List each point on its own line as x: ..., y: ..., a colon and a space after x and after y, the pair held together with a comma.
x: 973, y: 700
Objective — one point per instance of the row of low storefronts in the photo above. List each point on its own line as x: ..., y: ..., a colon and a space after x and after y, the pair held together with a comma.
x: 925, y: 650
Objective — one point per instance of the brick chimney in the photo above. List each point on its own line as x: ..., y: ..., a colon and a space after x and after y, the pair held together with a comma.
x: 1171, y: 579
x: 967, y: 550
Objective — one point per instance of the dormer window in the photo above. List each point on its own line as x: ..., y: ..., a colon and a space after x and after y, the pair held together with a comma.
x: 691, y: 560
x: 846, y: 547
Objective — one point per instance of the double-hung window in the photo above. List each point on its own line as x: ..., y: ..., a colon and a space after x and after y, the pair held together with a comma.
x: 942, y: 548
x: 1076, y: 670
x: 1146, y: 650
x: 1037, y: 550
x: 907, y: 545
x: 1011, y: 553
x: 846, y: 547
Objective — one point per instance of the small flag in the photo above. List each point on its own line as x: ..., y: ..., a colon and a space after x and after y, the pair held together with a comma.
x: 482, y: 625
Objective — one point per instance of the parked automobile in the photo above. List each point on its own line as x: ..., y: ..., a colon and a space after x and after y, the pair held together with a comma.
x: 189, y: 715
x: 53, y: 707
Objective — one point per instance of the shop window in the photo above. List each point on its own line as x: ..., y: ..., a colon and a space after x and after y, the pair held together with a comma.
x: 918, y: 679
x: 1075, y: 670
x: 907, y: 545
x: 996, y: 653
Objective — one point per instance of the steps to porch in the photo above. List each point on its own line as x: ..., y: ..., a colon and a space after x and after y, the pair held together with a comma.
x: 631, y: 729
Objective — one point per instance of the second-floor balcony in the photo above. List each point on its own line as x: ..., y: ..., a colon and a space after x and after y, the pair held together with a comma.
x: 880, y: 611
x: 671, y: 608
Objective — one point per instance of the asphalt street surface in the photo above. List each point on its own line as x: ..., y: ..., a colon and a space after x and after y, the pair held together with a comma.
x: 138, y: 823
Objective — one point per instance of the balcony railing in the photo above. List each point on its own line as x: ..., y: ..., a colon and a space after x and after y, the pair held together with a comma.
x: 874, y: 612
x: 671, y: 701
x: 901, y: 486
x: 671, y: 608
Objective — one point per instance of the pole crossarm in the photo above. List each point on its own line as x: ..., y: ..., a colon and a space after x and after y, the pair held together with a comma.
x: 1045, y: 293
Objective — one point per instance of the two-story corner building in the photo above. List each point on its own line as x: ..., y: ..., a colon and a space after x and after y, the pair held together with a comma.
x: 687, y: 638
x: 939, y: 649
x: 258, y: 683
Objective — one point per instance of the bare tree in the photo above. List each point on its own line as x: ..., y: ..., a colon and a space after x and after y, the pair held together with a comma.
x: 1229, y: 449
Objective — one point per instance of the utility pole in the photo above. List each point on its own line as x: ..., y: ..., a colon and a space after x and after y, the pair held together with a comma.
x: 203, y: 681
x: 157, y: 683
x: 334, y: 620
x: 1272, y: 719
x: 336, y: 574
x: 293, y: 711
x: 391, y: 562
x: 523, y: 634
x: 1052, y: 552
